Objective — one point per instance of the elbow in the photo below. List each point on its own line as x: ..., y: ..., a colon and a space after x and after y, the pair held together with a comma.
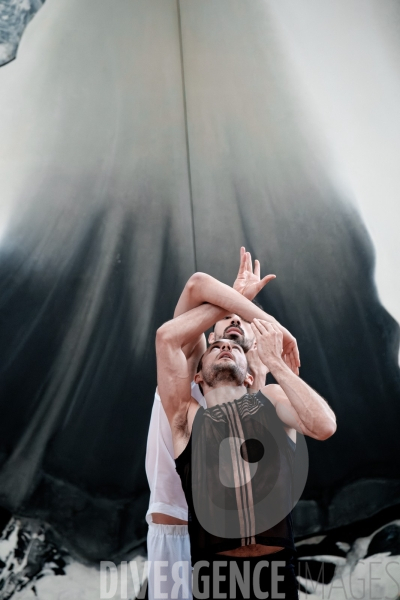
x: 196, y: 281
x: 164, y: 334
x: 327, y: 430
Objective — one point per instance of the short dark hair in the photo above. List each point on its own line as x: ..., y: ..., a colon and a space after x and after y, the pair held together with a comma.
x: 254, y: 301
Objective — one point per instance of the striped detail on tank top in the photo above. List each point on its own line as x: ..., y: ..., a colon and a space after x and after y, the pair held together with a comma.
x: 241, y: 471
x: 248, y: 405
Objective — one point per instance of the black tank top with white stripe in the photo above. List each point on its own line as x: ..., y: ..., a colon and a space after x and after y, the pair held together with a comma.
x: 237, y: 476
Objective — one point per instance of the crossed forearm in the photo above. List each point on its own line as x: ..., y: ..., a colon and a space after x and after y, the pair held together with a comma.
x: 203, y: 288
x: 185, y: 304
x: 189, y: 326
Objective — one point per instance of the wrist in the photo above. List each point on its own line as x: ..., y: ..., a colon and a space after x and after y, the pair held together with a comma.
x: 259, y: 374
x: 275, y: 365
x: 246, y: 294
x: 258, y: 384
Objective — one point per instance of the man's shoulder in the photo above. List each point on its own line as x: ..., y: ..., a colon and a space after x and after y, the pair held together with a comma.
x: 273, y: 392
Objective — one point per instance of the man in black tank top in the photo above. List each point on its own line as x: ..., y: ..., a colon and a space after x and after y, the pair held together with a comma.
x: 236, y: 458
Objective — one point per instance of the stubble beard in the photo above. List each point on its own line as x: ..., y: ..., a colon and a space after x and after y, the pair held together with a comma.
x: 230, y: 373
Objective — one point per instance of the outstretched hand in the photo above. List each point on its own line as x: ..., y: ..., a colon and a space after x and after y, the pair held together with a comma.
x: 248, y: 282
x: 271, y: 345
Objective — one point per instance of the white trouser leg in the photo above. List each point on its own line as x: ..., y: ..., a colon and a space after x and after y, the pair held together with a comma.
x: 168, y: 549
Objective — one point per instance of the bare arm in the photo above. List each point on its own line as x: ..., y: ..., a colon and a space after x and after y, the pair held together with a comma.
x: 195, y: 349
x: 296, y: 403
x: 174, y: 376
x: 248, y: 283
x: 203, y: 288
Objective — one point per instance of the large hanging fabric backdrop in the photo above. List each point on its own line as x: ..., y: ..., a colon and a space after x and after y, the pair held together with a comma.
x: 141, y: 141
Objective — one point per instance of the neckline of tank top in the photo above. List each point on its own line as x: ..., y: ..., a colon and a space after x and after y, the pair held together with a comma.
x: 263, y: 398
x: 292, y: 444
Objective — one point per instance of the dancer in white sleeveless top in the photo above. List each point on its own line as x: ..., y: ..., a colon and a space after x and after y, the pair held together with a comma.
x: 168, y: 538
x: 165, y: 542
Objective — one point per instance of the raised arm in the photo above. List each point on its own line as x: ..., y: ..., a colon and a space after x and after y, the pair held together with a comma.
x: 203, y: 288
x: 194, y: 349
x: 296, y: 403
x: 174, y: 375
x: 248, y: 283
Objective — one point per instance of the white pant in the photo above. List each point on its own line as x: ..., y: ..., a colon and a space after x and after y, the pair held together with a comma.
x: 170, y: 571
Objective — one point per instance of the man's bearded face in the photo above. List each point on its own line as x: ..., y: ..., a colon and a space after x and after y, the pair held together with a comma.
x: 232, y: 327
x: 224, y: 361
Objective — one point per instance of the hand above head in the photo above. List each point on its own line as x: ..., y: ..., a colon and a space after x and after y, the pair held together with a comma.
x: 248, y: 282
x: 202, y: 288
x: 270, y: 346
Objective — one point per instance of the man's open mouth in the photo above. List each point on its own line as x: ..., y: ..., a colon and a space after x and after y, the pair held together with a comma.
x: 225, y: 355
x: 234, y: 330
